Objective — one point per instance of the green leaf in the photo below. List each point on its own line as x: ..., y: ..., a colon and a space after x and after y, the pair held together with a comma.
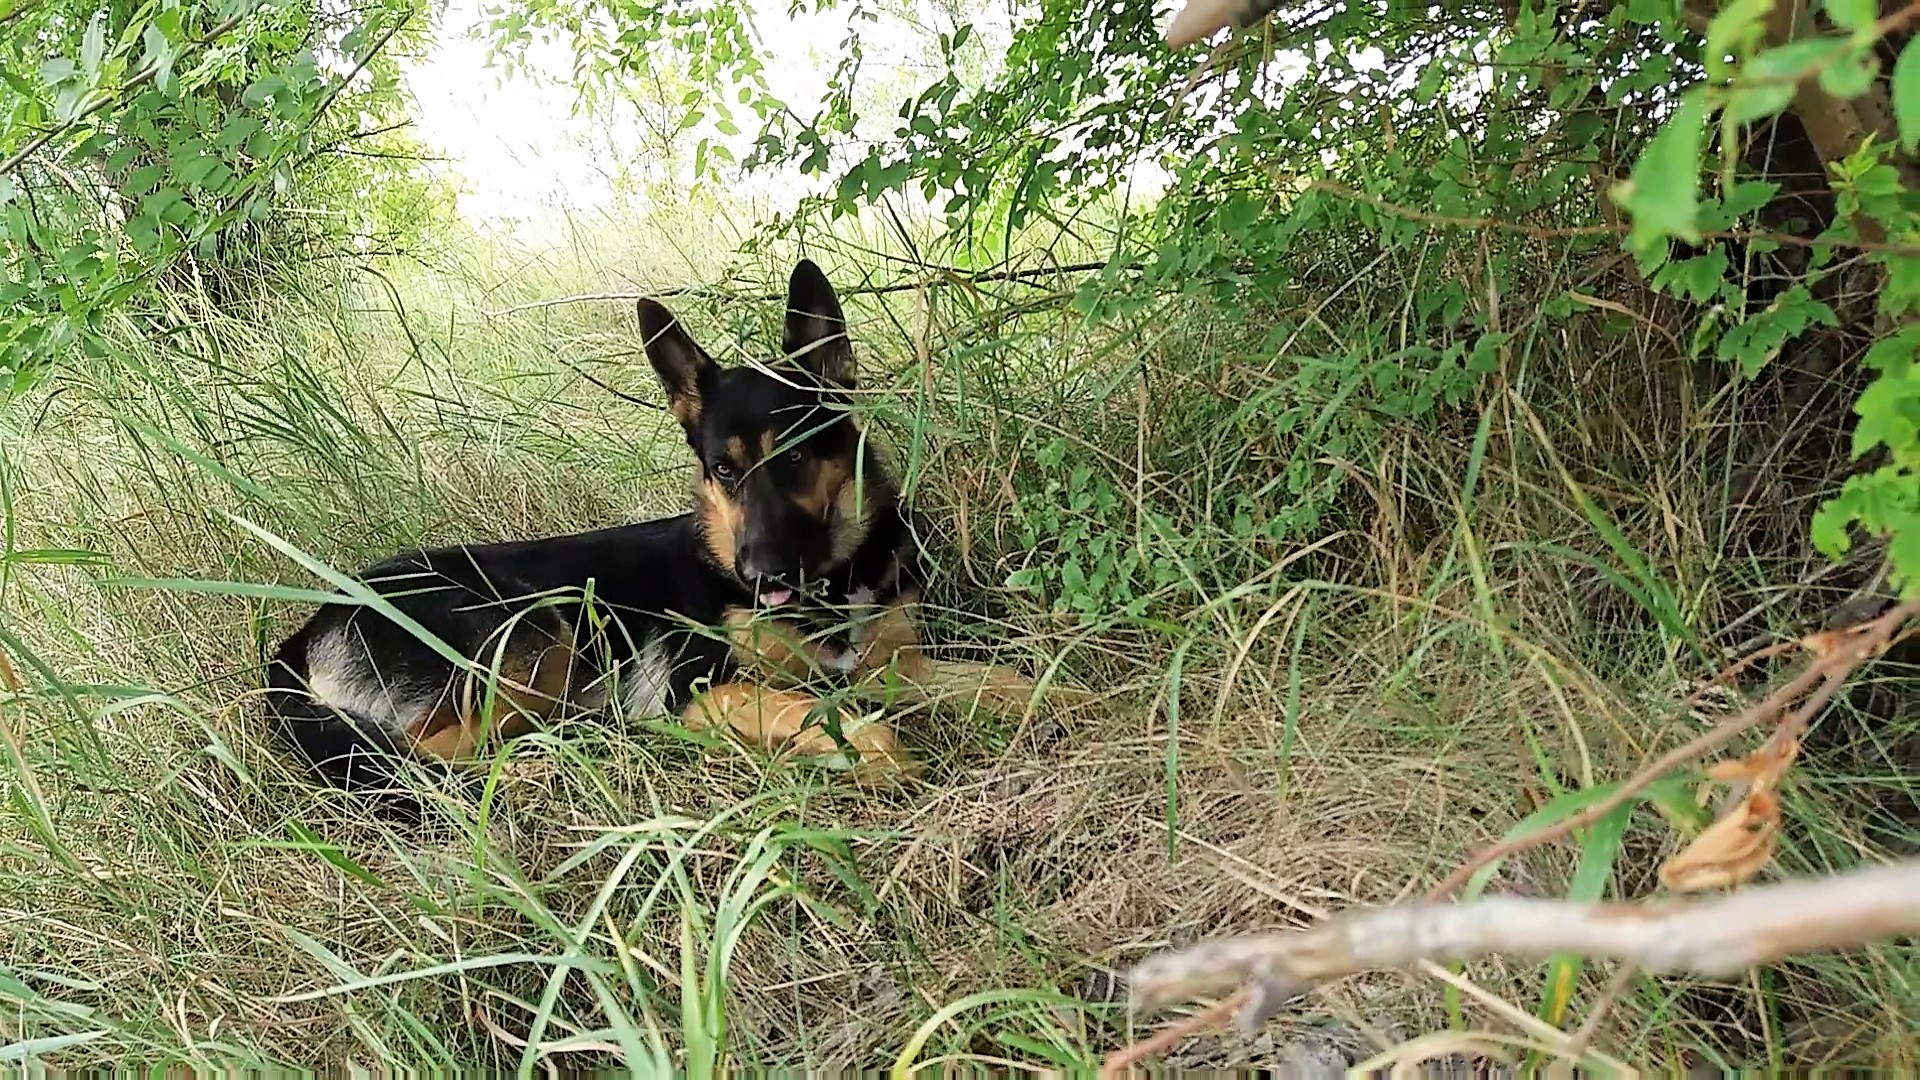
x: 1432, y: 77
x: 1748, y: 196
x: 1750, y: 103
x: 1893, y: 353
x: 159, y: 54
x: 1906, y: 93
x: 1793, y: 61
x: 1889, y: 411
x: 1854, y: 15
x: 1847, y: 77
x: 1558, y: 809
x: 1733, y: 32
x: 1663, y: 194
x: 238, y: 129
x: 93, y: 46
x: 1027, y: 577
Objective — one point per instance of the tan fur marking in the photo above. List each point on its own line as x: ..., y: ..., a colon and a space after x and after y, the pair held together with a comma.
x: 891, y: 663
x: 993, y: 687
x: 737, y: 453
x: 720, y: 522
x: 766, y: 444
x: 780, y: 720
x: 529, y: 687
x: 891, y: 640
x: 774, y: 648
x: 818, y: 498
x: 441, y: 734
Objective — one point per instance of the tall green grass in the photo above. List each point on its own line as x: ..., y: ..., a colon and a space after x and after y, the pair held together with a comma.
x: 1489, y: 622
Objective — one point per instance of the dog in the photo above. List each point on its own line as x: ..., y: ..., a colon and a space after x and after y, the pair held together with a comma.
x: 798, y: 561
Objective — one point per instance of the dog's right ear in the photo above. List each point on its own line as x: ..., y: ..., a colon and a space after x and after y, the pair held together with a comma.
x: 683, y: 366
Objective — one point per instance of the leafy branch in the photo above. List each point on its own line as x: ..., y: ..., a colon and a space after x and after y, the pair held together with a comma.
x: 105, y: 101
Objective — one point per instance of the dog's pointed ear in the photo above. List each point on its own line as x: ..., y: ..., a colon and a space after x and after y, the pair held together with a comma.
x: 683, y: 366
x: 816, y: 331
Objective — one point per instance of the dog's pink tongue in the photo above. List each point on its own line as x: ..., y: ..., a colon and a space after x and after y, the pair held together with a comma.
x: 776, y: 597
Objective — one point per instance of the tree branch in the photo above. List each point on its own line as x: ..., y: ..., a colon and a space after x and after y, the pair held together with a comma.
x: 1715, y: 938
x: 1199, y: 19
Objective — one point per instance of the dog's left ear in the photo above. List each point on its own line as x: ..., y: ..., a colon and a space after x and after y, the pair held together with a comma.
x: 816, y: 333
x: 683, y: 366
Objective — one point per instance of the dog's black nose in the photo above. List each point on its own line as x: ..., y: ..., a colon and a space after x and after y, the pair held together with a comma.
x: 748, y: 560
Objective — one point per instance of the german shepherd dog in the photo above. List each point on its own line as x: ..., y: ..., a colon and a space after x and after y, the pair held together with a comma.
x: 799, y: 560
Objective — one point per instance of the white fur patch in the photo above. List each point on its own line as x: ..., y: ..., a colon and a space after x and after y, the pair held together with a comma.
x: 646, y: 682
x: 342, y: 677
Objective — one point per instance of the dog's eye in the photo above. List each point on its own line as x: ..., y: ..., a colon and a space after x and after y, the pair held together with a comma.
x: 724, y: 472
x: 795, y: 457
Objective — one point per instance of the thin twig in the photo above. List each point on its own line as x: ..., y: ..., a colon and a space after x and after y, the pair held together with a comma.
x: 1215, y: 1015
x: 944, y: 276
x: 1732, y: 670
x: 615, y: 391
x: 1828, y: 673
x: 1576, y: 1046
x: 1568, y: 232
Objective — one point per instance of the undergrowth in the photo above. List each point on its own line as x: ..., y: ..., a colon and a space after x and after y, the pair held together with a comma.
x: 1344, y: 624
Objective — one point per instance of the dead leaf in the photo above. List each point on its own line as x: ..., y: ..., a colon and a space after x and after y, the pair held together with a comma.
x: 1741, y: 844
x: 1762, y: 769
x: 1731, y: 851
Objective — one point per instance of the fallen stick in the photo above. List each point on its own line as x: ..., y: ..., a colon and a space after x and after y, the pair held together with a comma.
x: 1715, y: 938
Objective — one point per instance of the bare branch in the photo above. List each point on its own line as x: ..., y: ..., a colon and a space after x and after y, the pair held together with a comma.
x: 1199, y: 19
x: 943, y: 276
x: 1121, y: 1061
x: 1715, y: 938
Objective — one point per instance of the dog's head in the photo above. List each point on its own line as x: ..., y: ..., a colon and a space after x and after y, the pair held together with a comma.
x: 786, y: 487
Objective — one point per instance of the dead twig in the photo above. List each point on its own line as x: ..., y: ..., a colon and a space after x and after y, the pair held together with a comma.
x: 1572, y: 232
x: 1715, y: 938
x: 942, y: 276
x: 1172, y: 1035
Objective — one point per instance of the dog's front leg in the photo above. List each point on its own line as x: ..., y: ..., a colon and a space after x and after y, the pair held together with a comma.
x: 891, y: 663
x: 778, y: 650
x: 798, y: 723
